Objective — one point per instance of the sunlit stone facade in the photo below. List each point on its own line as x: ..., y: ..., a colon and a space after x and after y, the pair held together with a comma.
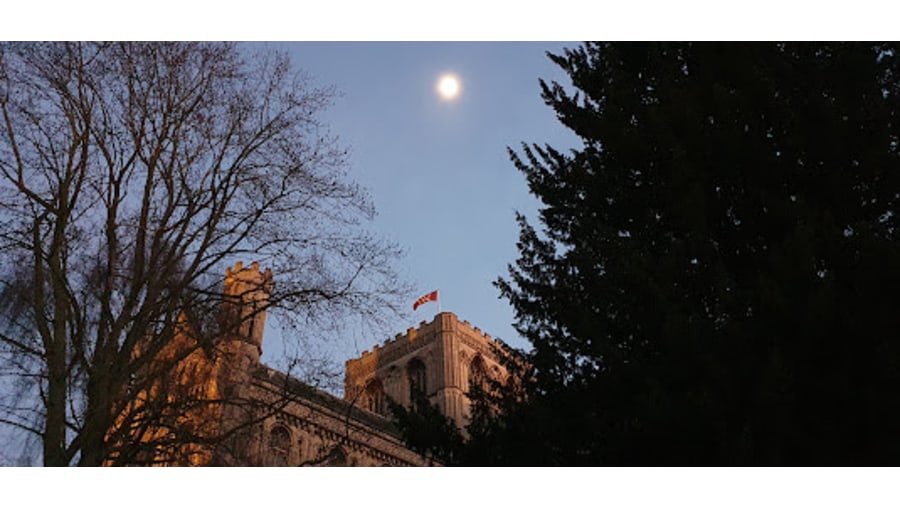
x: 271, y: 419
x: 440, y: 357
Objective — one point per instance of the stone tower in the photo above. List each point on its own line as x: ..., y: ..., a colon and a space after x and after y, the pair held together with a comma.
x: 440, y: 358
x: 246, y: 299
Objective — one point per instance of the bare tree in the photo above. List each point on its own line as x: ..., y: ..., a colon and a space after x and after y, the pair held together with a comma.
x: 130, y: 176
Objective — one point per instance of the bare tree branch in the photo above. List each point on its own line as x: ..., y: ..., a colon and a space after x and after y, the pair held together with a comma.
x: 131, y: 175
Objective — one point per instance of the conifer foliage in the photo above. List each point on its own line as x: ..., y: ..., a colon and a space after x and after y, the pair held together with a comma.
x: 714, y: 278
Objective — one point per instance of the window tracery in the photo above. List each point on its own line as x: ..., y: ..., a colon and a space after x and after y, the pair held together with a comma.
x: 279, y: 446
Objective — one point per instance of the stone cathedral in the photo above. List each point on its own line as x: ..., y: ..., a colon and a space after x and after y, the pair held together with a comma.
x: 283, y: 422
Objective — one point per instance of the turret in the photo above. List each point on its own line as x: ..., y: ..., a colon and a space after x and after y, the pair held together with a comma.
x: 246, y: 299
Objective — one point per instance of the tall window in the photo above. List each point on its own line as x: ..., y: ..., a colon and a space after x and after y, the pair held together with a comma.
x: 477, y: 375
x: 375, y: 397
x: 279, y: 446
x: 417, y: 385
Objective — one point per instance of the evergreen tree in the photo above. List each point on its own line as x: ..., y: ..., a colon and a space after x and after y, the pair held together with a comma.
x: 427, y: 431
x: 715, y: 276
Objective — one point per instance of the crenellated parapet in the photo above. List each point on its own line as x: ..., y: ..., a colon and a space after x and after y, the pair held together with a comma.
x: 434, y: 356
x: 248, y: 282
x: 416, y: 337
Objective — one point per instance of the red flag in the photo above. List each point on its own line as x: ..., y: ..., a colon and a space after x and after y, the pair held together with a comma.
x: 424, y: 299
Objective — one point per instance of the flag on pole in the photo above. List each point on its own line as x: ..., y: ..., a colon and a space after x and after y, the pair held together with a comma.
x: 432, y: 296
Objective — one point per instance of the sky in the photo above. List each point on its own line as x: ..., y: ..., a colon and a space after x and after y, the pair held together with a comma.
x: 438, y: 170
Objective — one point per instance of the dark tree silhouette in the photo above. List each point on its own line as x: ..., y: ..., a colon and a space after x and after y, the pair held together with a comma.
x: 714, y: 279
x: 426, y: 430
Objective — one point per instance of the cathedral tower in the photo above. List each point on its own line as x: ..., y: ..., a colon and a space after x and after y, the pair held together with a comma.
x: 439, y: 358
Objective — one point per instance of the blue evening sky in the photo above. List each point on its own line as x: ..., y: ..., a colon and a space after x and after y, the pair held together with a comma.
x: 438, y: 171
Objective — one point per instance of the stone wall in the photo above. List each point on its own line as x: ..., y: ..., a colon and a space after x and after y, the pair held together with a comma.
x: 253, y: 415
x: 446, y: 347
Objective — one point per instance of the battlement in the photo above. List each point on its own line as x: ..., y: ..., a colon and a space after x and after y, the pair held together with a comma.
x: 241, y: 280
x: 445, y: 321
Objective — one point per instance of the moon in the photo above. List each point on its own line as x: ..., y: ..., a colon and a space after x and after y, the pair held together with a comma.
x: 449, y: 86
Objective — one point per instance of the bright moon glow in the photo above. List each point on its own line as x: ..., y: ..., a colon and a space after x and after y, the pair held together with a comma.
x: 448, y: 86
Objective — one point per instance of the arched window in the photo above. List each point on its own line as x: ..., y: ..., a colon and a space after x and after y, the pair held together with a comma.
x: 279, y: 446
x: 338, y: 458
x: 417, y: 383
x: 477, y: 374
x: 374, y: 400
